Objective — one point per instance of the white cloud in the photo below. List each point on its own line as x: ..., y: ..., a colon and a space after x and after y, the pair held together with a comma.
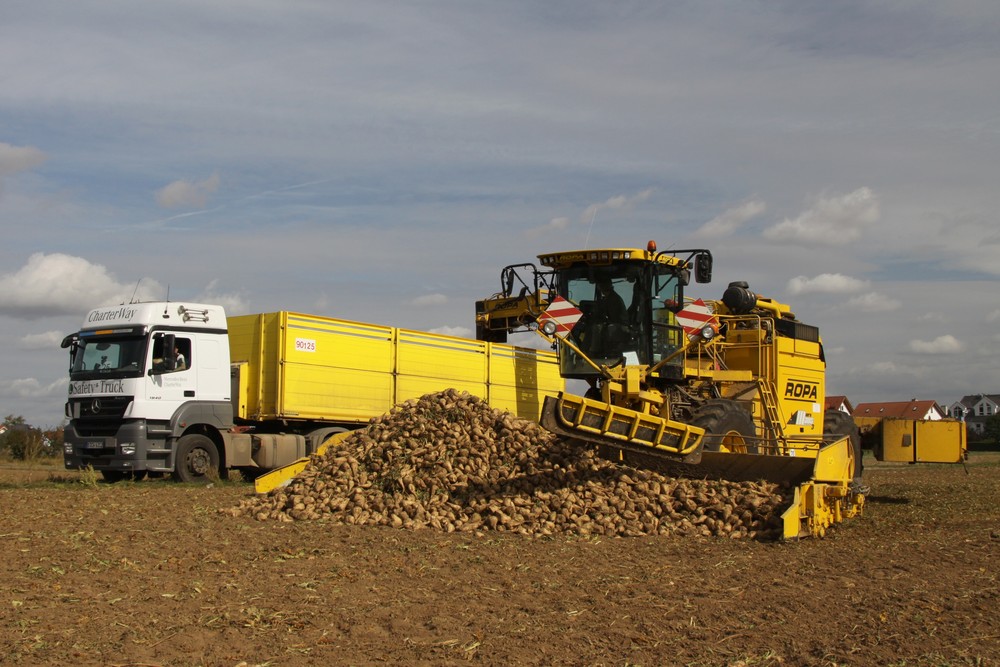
x: 826, y: 283
x: 946, y: 344
x: 234, y: 304
x: 15, y: 159
x: 624, y: 202
x: 430, y: 300
x: 553, y: 225
x: 187, y: 194
x: 873, y: 302
x: 882, y: 370
x: 731, y: 220
x: 32, y: 388
x: 42, y: 341
x: 831, y: 221
x: 58, y: 284
x: 589, y: 215
x: 458, y: 332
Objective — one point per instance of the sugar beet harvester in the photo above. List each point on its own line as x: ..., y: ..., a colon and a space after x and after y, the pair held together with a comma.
x: 731, y: 389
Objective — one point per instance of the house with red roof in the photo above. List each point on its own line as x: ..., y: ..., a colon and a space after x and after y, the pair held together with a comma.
x: 839, y: 403
x: 912, y: 409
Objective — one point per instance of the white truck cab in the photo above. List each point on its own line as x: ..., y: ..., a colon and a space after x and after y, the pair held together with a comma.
x: 139, y: 374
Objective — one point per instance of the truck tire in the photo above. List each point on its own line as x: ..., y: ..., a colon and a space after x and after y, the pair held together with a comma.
x: 728, y: 427
x: 197, y: 459
x: 836, y: 425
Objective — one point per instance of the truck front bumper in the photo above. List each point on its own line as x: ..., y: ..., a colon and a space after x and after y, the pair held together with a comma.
x: 129, y: 450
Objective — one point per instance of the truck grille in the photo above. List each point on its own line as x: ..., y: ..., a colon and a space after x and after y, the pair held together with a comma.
x: 100, y: 416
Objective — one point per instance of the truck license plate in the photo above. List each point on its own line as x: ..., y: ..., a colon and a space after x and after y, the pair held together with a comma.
x: 93, y: 444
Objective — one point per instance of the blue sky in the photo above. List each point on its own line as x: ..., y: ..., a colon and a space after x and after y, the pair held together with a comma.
x: 383, y: 161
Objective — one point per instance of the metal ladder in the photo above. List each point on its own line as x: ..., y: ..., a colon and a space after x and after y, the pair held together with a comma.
x: 773, y: 428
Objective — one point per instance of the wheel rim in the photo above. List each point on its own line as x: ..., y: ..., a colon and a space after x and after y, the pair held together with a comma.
x: 199, y: 462
x: 732, y: 442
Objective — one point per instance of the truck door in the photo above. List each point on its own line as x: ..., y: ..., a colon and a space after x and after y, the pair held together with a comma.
x: 173, y: 376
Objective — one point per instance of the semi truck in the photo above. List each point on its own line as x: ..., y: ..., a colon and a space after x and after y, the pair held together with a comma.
x: 180, y: 388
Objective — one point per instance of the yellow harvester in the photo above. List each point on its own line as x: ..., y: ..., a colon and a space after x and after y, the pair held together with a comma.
x: 731, y: 388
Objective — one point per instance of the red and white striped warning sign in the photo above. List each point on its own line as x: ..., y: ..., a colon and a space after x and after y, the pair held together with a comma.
x: 563, y: 313
x: 696, y: 316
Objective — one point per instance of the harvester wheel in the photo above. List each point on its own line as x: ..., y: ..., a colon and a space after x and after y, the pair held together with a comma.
x: 728, y: 427
x: 197, y: 459
x: 836, y: 425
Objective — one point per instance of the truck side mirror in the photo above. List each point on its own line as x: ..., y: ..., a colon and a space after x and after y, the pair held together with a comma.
x: 703, y: 267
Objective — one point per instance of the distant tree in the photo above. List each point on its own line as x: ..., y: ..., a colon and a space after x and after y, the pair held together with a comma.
x: 21, y: 441
x: 991, y: 430
x: 55, y: 438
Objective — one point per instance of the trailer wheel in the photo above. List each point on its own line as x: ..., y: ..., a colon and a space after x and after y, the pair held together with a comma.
x: 836, y: 425
x: 197, y: 459
x: 728, y: 427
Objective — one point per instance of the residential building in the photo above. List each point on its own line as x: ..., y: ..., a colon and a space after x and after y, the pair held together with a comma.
x: 975, y: 410
x: 912, y: 409
x: 839, y: 403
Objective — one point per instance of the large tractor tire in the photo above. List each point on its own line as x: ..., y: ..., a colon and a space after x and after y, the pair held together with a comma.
x: 836, y: 425
x: 728, y: 427
x: 197, y: 459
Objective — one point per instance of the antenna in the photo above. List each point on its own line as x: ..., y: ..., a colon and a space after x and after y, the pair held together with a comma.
x: 132, y: 300
x: 591, y: 228
x: 165, y: 313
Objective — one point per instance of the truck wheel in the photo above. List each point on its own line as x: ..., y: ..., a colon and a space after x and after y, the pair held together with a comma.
x: 728, y: 427
x: 836, y: 425
x: 197, y: 459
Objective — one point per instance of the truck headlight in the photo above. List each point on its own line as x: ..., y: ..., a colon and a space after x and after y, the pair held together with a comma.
x: 128, y: 448
x: 68, y: 447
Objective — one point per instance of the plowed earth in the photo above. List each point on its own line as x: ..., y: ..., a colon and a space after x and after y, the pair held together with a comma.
x: 152, y: 573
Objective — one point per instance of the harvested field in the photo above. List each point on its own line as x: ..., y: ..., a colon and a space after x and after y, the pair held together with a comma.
x: 157, y: 573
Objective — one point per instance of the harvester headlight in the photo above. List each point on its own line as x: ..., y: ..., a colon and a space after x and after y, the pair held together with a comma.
x: 708, y: 333
x: 549, y: 328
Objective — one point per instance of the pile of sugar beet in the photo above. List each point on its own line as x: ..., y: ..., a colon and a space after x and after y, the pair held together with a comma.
x: 450, y: 462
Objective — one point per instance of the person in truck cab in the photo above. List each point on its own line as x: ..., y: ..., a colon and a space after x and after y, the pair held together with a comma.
x: 159, y: 363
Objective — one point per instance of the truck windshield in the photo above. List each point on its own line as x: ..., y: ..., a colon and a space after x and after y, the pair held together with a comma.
x: 119, y: 357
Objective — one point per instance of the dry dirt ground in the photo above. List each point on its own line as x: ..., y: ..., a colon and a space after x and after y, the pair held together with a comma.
x: 151, y: 573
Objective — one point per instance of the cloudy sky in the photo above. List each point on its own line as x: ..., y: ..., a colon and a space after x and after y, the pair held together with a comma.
x: 382, y: 161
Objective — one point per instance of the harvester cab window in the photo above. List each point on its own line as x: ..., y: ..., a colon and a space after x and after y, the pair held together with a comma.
x: 665, y: 302
x: 605, y: 332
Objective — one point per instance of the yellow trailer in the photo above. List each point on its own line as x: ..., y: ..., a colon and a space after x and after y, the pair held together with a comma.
x: 294, y: 367
x: 324, y: 376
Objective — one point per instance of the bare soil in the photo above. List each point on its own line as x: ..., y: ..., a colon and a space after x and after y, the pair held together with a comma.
x: 152, y: 573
